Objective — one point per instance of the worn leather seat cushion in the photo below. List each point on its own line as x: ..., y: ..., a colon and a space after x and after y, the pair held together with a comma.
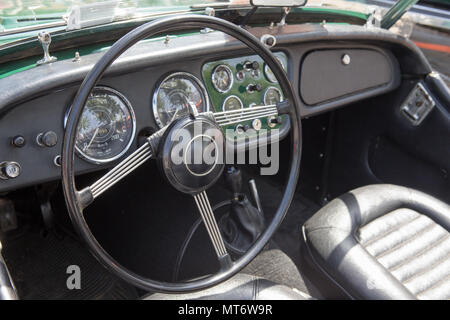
x: 383, y: 242
x: 272, y: 275
x: 240, y: 287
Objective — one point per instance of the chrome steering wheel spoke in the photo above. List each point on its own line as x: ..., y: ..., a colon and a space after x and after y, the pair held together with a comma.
x: 224, y: 118
x: 120, y: 171
x: 145, y: 152
x: 203, y: 205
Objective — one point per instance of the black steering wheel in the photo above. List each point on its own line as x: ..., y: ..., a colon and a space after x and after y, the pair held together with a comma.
x: 194, y: 180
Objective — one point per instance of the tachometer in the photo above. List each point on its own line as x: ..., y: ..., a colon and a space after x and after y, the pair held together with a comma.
x: 174, y: 94
x: 107, y: 126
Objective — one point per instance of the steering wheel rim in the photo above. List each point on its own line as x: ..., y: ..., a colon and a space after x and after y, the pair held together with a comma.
x: 71, y: 193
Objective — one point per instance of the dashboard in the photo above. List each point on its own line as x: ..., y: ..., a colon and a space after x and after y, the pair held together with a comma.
x: 150, y: 86
x: 107, y: 126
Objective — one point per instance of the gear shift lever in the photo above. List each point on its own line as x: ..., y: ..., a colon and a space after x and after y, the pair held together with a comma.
x: 233, y: 178
x: 244, y: 223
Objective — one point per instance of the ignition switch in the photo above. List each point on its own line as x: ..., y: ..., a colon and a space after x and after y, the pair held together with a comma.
x: 9, y: 170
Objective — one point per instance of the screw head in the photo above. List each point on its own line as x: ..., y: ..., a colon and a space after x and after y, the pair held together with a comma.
x: 345, y: 59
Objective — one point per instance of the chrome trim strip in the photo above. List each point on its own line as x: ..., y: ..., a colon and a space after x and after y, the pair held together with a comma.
x: 236, y: 116
x: 225, y: 101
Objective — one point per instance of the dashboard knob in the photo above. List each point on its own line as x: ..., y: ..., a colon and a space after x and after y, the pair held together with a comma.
x: 47, y: 139
x: 254, y: 87
x: 251, y: 65
x: 241, y: 128
x: 272, y: 121
x: 9, y: 170
x: 18, y: 141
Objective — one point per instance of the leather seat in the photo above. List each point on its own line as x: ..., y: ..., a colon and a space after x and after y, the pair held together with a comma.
x: 272, y: 275
x: 383, y: 242
x: 240, y: 287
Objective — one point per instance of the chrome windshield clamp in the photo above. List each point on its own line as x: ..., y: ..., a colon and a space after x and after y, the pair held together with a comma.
x: 211, y: 13
x: 77, y: 57
x: 373, y: 19
x: 45, y: 39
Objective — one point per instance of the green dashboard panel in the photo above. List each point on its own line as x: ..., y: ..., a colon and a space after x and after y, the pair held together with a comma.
x: 238, y: 88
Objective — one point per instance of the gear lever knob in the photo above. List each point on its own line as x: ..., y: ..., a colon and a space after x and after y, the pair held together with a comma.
x: 233, y: 179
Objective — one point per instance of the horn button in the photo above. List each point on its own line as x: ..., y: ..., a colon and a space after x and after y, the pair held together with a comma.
x: 192, y: 153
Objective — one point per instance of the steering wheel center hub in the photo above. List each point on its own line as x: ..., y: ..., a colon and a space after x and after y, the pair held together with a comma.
x: 191, y: 154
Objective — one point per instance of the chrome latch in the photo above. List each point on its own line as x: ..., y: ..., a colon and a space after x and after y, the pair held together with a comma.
x: 417, y: 105
x: 45, y: 39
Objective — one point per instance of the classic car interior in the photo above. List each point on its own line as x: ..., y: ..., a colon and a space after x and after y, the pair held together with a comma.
x: 358, y: 207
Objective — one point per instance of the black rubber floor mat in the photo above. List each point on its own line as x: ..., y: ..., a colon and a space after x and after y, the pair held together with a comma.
x: 38, y: 265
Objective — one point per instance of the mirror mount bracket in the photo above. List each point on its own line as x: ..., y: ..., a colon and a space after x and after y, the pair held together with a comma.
x: 247, y: 17
x: 286, y: 11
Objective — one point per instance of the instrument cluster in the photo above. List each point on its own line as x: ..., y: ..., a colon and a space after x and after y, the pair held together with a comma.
x: 107, y: 126
x: 243, y: 82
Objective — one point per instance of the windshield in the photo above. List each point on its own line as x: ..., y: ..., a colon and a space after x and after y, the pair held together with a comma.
x: 52, y: 8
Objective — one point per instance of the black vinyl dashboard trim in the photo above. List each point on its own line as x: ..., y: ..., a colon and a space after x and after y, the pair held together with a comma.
x: 55, y: 76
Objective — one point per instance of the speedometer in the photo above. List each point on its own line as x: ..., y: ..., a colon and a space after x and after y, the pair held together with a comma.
x: 107, y: 126
x: 174, y: 94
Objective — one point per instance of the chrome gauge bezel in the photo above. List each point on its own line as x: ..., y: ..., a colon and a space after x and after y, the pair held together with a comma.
x: 127, y: 103
x: 174, y: 74
x: 266, y: 70
x: 231, y: 77
x: 267, y: 90
x: 228, y: 98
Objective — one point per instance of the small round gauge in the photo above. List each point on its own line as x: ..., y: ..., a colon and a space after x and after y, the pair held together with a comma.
x: 272, y: 96
x: 240, y: 75
x: 222, y: 78
x: 269, y: 74
x: 173, y: 96
x: 232, y: 103
x: 106, y: 128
